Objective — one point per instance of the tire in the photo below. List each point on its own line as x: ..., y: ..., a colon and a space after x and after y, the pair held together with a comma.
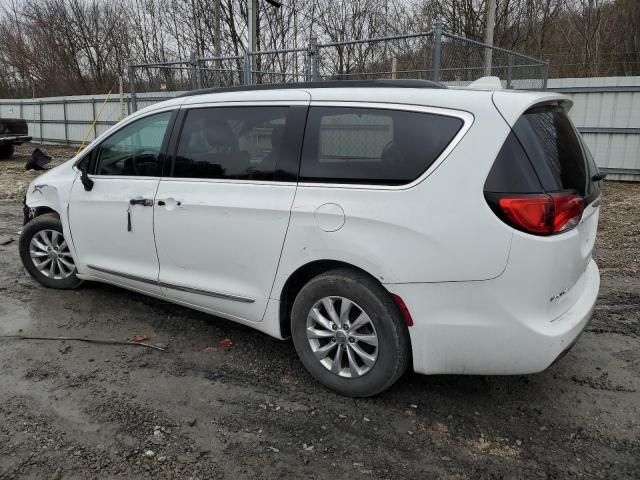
x: 385, y: 322
x: 47, y: 230
x: 6, y: 151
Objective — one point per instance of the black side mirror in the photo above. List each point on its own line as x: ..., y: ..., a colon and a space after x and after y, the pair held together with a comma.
x: 86, y: 181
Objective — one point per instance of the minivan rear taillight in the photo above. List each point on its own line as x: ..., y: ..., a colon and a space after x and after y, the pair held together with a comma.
x: 539, y: 214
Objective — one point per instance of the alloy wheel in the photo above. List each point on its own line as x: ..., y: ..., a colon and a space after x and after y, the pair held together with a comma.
x: 342, y: 337
x: 50, y: 254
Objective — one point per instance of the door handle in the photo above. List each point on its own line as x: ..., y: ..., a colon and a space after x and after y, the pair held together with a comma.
x: 145, y: 202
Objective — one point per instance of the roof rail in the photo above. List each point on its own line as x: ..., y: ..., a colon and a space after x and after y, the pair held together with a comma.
x: 380, y: 83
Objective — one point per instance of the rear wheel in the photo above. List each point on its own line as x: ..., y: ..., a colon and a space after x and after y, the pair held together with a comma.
x: 45, y: 253
x: 6, y: 150
x: 349, y: 333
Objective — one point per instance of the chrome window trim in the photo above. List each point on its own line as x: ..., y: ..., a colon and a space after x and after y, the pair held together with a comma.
x: 247, y: 103
x: 182, y: 288
x: 466, y: 117
x: 228, y: 181
x: 116, y: 177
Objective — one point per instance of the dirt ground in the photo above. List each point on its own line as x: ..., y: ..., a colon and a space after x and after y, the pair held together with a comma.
x: 80, y: 410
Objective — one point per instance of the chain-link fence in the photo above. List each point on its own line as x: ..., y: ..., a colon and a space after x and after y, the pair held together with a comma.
x: 278, y: 66
x: 400, y: 56
x: 464, y: 60
x: 436, y: 55
x: 213, y: 72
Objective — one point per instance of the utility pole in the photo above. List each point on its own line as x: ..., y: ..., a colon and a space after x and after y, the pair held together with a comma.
x: 216, y: 26
x: 252, y: 7
x: 217, y: 48
x: 196, y: 25
x: 488, y: 35
x: 295, y: 44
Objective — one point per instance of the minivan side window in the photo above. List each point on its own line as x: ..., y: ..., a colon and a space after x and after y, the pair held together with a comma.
x: 133, y: 150
x: 372, y: 146
x: 241, y: 143
x: 553, y: 147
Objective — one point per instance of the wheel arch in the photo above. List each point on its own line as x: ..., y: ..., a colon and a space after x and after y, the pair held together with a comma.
x: 299, y: 278
x: 33, y: 212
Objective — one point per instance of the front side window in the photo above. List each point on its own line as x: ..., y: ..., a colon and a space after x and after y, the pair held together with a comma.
x: 133, y: 150
x: 241, y: 143
x: 376, y: 146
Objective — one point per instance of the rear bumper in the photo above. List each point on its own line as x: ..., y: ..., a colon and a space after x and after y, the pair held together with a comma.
x: 471, y: 328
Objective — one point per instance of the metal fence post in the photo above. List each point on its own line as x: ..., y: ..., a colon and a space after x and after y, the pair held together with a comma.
x: 66, y: 125
x: 437, y: 51
x: 194, y: 71
x: 95, y: 126
x: 132, y: 88
x: 545, y: 75
x: 248, y: 71
x: 40, y: 121
x: 509, y: 70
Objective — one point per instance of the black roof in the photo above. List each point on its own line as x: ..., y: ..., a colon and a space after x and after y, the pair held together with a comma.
x: 323, y: 84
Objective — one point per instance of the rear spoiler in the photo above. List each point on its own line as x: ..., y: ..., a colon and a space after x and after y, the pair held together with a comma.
x: 512, y: 104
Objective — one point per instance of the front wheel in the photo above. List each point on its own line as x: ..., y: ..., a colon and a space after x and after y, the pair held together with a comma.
x: 349, y: 333
x: 45, y: 253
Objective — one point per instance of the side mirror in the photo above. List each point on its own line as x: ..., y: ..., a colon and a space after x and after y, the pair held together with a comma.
x: 86, y: 181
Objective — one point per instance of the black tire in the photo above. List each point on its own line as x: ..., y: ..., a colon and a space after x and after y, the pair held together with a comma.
x: 48, y: 221
x: 394, y: 346
x: 6, y: 151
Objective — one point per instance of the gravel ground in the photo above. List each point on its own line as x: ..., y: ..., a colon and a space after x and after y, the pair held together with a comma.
x: 249, y: 410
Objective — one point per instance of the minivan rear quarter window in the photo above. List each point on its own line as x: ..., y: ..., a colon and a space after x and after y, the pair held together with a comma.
x: 553, y: 146
x: 372, y: 146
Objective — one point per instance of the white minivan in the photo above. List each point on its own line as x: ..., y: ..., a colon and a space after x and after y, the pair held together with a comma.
x: 380, y: 224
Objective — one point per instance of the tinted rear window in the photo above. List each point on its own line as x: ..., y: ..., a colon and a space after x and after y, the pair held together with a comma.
x: 364, y: 145
x: 553, y: 146
x: 512, y: 171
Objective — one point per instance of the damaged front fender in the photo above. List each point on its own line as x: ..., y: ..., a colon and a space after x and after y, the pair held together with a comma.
x: 40, y: 198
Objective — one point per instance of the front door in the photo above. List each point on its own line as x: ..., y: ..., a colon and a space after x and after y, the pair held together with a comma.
x: 112, y: 224
x: 222, y: 215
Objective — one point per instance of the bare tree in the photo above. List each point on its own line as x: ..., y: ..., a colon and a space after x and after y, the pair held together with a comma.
x: 51, y: 47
